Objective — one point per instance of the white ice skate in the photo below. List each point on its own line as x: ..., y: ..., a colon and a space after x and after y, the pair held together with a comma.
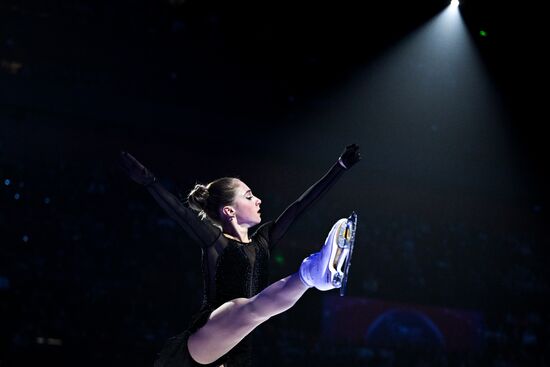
x: 328, y: 268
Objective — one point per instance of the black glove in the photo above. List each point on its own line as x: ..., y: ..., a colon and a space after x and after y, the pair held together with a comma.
x: 350, y: 156
x: 135, y: 170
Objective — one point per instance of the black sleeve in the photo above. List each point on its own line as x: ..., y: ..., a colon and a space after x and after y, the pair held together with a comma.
x: 201, y: 231
x: 283, y: 223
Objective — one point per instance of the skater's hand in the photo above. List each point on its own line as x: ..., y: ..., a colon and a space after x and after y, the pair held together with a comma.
x: 135, y: 170
x: 350, y: 156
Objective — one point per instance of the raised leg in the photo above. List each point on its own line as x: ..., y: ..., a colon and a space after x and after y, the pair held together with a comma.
x: 235, y: 319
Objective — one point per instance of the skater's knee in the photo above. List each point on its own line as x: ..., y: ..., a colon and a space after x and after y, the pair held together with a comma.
x: 237, y: 312
x: 249, y: 311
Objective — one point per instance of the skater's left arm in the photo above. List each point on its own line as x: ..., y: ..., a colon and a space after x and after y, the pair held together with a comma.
x: 347, y: 159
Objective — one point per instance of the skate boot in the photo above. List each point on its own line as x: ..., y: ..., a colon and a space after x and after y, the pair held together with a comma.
x: 328, y: 268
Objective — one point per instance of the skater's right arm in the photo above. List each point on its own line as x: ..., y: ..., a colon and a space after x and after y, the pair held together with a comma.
x: 201, y: 231
x: 349, y: 157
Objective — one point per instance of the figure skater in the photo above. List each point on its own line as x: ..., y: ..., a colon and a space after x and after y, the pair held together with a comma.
x: 235, y: 265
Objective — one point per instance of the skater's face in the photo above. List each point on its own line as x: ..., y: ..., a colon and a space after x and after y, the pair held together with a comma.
x: 246, y: 206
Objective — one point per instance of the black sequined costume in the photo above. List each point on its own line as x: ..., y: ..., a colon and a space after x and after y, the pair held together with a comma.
x: 231, y: 269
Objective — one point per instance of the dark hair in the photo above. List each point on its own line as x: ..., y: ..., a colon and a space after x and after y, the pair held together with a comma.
x: 207, y: 200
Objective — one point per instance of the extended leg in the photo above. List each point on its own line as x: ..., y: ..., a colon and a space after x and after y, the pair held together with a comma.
x: 235, y: 319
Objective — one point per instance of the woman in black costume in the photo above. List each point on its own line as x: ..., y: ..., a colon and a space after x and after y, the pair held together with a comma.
x: 235, y: 265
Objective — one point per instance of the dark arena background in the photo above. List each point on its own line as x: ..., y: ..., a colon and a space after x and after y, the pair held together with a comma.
x: 447, y: 102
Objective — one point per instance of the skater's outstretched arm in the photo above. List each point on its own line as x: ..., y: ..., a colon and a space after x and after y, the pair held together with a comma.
x: 347, y: 159
x: 201, y: 231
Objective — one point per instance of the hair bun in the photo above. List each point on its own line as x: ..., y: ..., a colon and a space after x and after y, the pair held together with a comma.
x: 207, y: 200
x: 198, y: 197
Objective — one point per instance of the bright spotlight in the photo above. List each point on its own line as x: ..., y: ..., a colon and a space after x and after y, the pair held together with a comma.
x: 454, y: 3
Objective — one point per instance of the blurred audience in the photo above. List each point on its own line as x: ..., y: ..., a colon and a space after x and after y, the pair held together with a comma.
x: 92, y: 272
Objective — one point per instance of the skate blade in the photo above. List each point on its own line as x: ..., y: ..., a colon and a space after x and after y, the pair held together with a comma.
x: 351, y: 227
x: 339, y: 254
